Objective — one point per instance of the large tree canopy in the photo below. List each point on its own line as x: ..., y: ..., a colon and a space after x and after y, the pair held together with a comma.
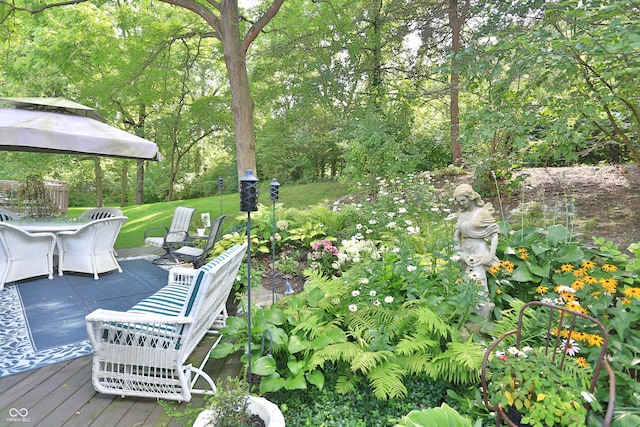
x: 312, y: 89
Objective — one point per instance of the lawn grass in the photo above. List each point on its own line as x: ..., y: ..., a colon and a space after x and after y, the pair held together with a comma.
x: 154, y: 214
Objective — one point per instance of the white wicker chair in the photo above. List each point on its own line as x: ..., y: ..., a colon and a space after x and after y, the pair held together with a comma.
x: 177, y: 232
x: 143, y: 352
x: 24, y: 255
x: 6, y: 215
x: 90, y: 248
x: 100, y: 213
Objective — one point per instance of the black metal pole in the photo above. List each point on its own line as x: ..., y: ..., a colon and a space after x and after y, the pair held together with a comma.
x: 248, y: 204
x: 220, y: 184
x: 274, y: 195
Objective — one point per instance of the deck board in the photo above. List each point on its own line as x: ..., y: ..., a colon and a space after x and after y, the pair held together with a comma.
x: 62, y: 395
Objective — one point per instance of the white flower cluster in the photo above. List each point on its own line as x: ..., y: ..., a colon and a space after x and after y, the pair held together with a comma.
x: 356, y: 249
x: 372, y: 293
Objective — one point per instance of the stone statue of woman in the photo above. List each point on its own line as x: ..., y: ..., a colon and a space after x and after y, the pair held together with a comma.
x: 476, y: 240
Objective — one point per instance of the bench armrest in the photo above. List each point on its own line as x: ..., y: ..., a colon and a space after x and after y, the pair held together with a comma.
x: 182, y: 275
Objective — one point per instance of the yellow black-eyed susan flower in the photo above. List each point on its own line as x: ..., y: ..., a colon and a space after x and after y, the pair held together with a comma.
x: 595, y: 340
x: 582, y: 362
x: 632, y: 292
x: 577, y: 285
x: 567, y: 268
x: 590, y: 280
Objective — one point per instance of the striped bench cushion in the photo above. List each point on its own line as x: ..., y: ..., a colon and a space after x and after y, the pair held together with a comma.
x: 168, y: 301
x: 177, y: 299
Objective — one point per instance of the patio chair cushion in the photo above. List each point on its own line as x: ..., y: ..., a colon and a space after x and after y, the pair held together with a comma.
x: 189, y: 251
x: 178, y: 231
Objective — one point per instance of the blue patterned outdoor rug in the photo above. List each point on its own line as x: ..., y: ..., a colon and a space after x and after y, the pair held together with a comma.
x: 42, y: 321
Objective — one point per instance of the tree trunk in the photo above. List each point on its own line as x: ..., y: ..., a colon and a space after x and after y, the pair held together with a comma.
x: 140, y: 182
x: 98, y: 172
x: 242, y: 105
x: 455, y: 22
x: 124, y: 184
x: 227, y: 30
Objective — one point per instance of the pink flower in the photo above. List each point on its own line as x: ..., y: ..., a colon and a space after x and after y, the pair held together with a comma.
x: 570, y: 347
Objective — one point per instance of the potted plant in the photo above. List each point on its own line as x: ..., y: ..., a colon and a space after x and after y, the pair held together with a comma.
x: 535, y: 392
x: 230, y: 406
x: 201, y: 224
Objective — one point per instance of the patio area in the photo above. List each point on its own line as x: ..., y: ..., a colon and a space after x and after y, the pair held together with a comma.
x: 62, y: 394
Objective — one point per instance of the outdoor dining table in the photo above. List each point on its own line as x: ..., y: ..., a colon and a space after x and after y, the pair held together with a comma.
x: 48, y: 225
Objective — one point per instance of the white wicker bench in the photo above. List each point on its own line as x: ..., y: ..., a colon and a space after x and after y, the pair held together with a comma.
x: 143, y: 352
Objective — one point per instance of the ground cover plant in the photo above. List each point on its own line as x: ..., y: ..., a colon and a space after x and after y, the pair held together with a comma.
x: 384, y: 304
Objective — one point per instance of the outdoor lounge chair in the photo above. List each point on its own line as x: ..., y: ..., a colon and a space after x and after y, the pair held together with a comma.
x: 178, y: 231
x: 24, y: 255
x: 99, y: 213
x: 194, y: 250
x: 545, y: 325
x: 89, y: 249
x: 144, y: 351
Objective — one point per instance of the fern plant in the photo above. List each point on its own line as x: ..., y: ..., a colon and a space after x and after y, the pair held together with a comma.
x: 381, y: 342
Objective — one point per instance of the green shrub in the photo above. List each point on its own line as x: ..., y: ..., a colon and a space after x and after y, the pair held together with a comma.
x: 325, y: 408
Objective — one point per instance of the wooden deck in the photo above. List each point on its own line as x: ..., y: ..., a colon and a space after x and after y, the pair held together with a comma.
x: 62, y: 394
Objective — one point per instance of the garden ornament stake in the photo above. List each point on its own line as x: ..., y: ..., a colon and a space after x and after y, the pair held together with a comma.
x: 287, y: 286
x: 274, y: 192
x: 248, y: 204
x: 220, y: 185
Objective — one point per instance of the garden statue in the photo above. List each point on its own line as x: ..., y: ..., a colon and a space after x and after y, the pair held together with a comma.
x: 476, y: 240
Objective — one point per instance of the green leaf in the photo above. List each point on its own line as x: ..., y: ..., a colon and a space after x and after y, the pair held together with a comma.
x: 235, y: 326
x: 275, y: 316
x: 522, y: 274
x: 264, y: 366
x: 296, y: 383
x: 296, y: 366
x: 271, y: 383
x: 557, y: 234
x: 316, y: 378
x: 331, y: 335
x: 569, y: 254
x: 314, y: 297
x: 542, y: 270
x: 296, y: 344
x: 222, y: 350
x: 278, y: 335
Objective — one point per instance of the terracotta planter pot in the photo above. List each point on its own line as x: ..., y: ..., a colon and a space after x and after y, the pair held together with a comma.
x: 267, y: 411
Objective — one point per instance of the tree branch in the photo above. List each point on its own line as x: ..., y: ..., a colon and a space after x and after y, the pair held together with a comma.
x: 260, y: 24
x: 201, y: 11
x: 13, y: 7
